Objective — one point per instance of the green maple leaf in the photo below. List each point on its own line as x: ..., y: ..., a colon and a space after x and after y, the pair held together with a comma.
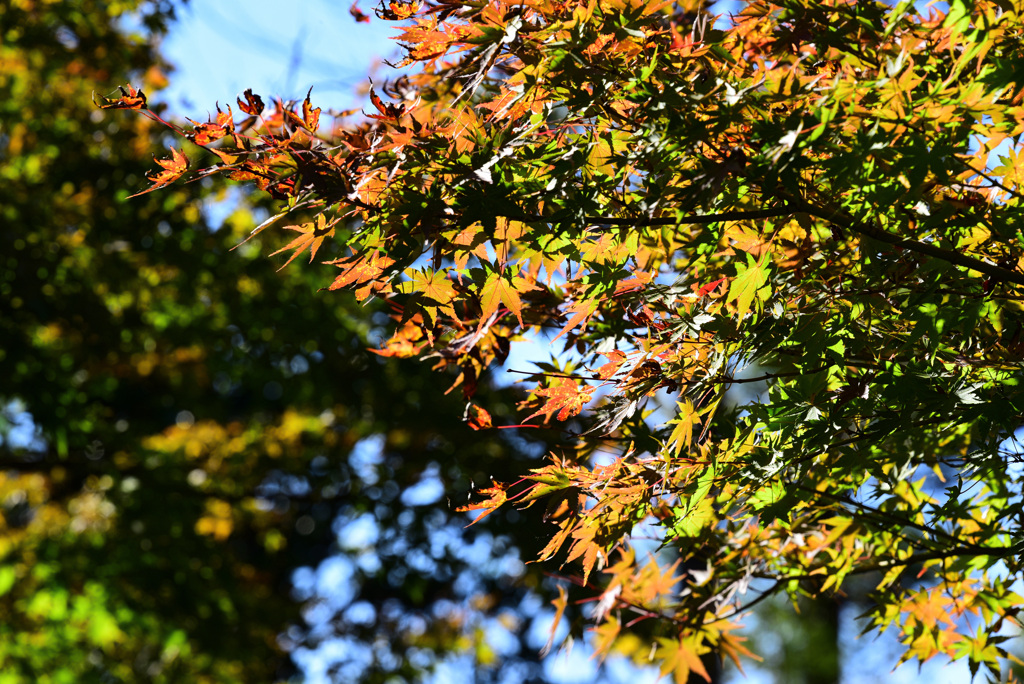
x: 749, y: 284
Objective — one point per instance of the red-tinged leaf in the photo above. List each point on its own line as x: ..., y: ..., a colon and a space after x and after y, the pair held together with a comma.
x: 477, y: 417
x: 312, y: 236
x: 205, y: 133
x: 388, y: 111
x: 496, y: 496
x: 560, y: 605
x: 253, y: 104
x: 357, y: 14
x: 130, y: 99
x: 310, y: 116
x: 377, y: 102
x: 709, y: 288
x: 397, y: 10
x: 564, y: 396
x: 173, y: 168
x: 615, y: 361
x: 639, y: 280
x: 497, y: 290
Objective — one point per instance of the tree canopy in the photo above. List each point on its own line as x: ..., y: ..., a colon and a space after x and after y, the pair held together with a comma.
x: 184, y: 430
x: 817, y: 202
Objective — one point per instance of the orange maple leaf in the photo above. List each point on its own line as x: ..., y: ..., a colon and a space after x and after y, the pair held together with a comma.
x: 405, y: 342
x: 205, y: 133
x: 361, y: 270
x: 496, y: 496
x: 615, y: 361
x: 312, y: 236
x: 173, y: 168
x: 130, y: 99
x: 581, y: 313
x: 477, y: 418
x: 564, y: 396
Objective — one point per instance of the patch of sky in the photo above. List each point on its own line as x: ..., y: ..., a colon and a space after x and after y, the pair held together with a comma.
x: 17, y: 428
x: 333, y: 660
x: 366, y: 456
x: 428, y: 490
x: 221, y: 48
x: 334, y: 582
x: 571, y: 666
x: 358, y: 534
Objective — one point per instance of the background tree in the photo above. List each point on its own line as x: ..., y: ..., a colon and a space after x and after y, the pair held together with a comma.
x: 827, y: 192
x: 185, y: 428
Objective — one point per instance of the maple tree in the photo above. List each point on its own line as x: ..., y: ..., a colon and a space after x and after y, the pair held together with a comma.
x: 817, y: 200
x: 183, y: 428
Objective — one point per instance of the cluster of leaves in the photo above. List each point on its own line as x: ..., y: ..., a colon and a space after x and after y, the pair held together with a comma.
x: 826, y: 192
x: 183, y: 429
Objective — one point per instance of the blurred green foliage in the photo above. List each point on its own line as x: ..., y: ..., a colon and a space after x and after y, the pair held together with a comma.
x: 201, y: 420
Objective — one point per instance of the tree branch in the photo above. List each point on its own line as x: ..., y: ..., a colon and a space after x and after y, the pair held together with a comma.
x: 844, y: 220
x: 692, y: 219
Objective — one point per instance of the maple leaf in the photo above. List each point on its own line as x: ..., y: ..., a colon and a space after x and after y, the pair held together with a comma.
x: 680, y: 657
x: 205, y: 133
x: 388, y: 111
x: 581, y: 313
x: 564, y: 396
x: 615, y: 361
x: 585, y: 546
x: 434, y: 285
x: 130, y: 99
x: 312, y: 236
x: 496, y: 496
x: 406, y: 342
x: 362, y: 269
x: 560, y: 604
x: 637, y: 282
x: 173, y: 168
x: 477, y: 418
x: 357, y: 14
x: 549, y: 479
x: 497, y: 290
x: 310, y: 116
x: 682, y: 436
x: 656, y: 582
x: 253, y: 104
x: 705, y: 290
x: 749, y: 284
x: 605, y: 636
x: 471, y: 241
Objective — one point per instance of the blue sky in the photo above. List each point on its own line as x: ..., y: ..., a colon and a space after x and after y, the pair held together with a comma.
x: 222, y: 47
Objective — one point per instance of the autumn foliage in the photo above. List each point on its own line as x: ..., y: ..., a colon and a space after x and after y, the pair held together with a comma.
x: 819, y: 202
